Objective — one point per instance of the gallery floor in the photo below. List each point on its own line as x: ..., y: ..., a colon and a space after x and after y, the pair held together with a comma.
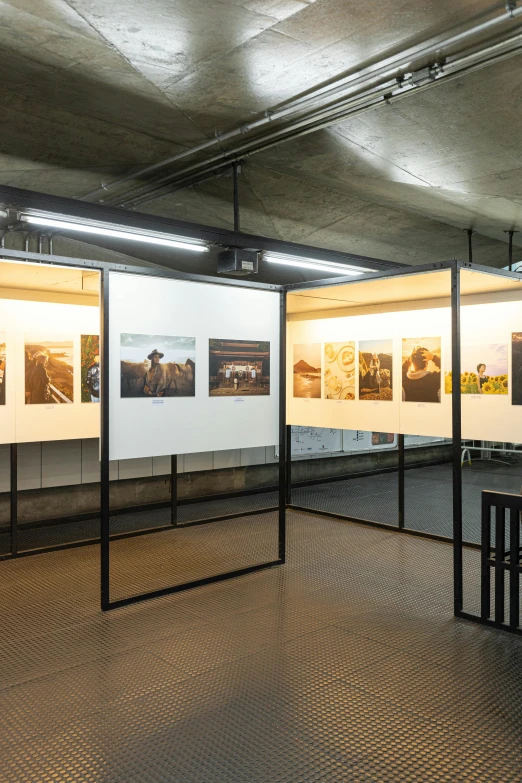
x: 343, y: 665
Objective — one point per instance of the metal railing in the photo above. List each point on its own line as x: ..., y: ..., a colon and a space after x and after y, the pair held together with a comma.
x: 502, y: 555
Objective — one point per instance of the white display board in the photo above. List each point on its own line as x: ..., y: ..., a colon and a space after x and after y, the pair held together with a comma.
x: 316, y: 440
x: 369, y: 415
x: 7, y: 338
x: 488, y: 322
x: 145, y: 427
x: 39, y: 322
x: 483, y: 326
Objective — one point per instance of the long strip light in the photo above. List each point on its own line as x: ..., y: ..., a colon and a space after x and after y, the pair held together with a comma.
x: 312, y: 263
x: 102, y: 229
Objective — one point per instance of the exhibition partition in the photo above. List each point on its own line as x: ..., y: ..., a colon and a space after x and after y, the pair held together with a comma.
x: 188, y: 364
x: 380, y: 353
x: 178, y: 364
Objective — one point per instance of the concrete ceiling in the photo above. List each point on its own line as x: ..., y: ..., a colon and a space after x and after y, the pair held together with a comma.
x: 92, y: 90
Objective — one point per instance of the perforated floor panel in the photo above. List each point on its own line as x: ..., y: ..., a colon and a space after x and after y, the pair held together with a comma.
x: 343, y: 665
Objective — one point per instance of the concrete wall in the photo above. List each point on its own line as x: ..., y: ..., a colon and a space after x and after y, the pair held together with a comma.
x: 43, y: 494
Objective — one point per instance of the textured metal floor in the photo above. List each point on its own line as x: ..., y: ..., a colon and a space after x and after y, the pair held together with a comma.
x: 427, y: 496
x: 343, y: 665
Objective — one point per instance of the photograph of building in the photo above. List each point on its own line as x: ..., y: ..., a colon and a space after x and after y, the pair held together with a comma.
x: 239, y: 367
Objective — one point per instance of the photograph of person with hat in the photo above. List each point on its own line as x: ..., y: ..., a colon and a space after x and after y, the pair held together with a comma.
x: 155, y: 380
x: 168, y: 370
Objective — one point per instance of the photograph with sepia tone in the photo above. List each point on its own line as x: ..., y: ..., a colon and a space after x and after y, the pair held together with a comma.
x: 307, y: 370
x: 339, y: 371
x: 421, y: 377
x: 49, y: 373
x: 376, y: 370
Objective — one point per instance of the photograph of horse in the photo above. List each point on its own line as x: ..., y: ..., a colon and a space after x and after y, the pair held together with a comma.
x: 157, y: 365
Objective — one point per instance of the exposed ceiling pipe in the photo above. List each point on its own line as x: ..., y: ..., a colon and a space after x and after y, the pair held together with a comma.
x: 181, y: 184
x: 327, y: 118
x: 401, y: 63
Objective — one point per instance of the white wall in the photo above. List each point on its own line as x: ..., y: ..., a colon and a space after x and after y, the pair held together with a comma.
x: 69, y: 462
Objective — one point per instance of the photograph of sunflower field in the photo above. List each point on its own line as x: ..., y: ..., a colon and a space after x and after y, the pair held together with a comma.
x: 484, y: 370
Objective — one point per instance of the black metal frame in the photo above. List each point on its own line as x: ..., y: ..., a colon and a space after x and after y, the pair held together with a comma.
x: 27, y: 199
x: 500, y: 558
x: 455, y: 268
x: 18, y: 198
x: 104, y: 270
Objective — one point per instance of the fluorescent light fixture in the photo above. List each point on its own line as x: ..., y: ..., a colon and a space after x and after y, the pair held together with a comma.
x: 312, y: 263
x: 103, y: 229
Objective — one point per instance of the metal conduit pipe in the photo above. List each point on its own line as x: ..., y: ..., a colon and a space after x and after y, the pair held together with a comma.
x: 378, y: 71
x: 317, y: 122
x: 181, y: 183
x: 132, y: 196
x: 401, y: 61
x: 459, y: 67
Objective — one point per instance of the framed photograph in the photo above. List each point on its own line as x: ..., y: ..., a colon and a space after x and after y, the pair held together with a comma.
x: 49, y: 370
x: 307, y: 370
x: 155, y: 365
x: 376, y: 370
x: 421, y: 378
x: 339, y: 371
x: 484, y: 370
x: 238, y: 367
x: 90, y: 367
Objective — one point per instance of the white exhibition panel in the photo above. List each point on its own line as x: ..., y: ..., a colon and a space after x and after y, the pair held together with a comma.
x: 142, y: 427
x: 21, y: 423
x: 7, y: 328
x: 394, y: 415
x: 491, y: 417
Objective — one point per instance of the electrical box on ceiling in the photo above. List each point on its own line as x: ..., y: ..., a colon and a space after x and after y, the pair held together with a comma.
x: 237, y: 261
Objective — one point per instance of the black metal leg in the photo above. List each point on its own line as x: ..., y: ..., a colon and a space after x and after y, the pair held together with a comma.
x: 174, y: 489
x: 514, y: 577
x: 401, y: 482
x: 283, y: 462
x: 485, y: 585
x: 500, y: 543
x: 288, y: 464
x: 104, y: 434
x: 14, y: 499
x: 456, y: 422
